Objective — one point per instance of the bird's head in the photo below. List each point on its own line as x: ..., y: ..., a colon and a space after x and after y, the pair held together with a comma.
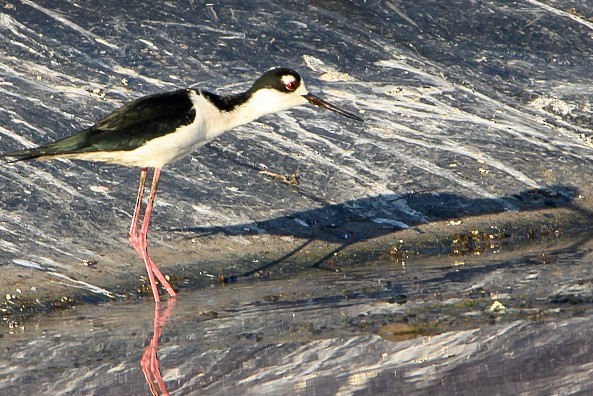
x: 280, y: 89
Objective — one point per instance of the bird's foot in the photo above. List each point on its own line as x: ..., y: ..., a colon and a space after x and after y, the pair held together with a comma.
x: 141, y: 246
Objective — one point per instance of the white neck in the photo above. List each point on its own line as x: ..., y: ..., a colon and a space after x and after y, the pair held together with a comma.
x: 260, y: 103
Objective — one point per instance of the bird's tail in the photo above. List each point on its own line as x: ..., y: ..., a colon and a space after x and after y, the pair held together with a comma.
x: 68, y: 145
x: 21, y: 155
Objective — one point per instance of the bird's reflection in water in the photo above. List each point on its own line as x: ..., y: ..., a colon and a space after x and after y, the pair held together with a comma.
x: 150, y: 361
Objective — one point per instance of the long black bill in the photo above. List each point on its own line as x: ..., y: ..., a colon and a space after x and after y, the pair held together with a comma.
x: 326, y: 105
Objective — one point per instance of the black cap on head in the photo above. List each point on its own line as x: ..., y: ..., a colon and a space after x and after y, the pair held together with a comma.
x: 279, y: 78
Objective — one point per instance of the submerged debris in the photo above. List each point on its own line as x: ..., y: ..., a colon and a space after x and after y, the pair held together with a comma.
x: 291, y: 180
x: 477, y: 242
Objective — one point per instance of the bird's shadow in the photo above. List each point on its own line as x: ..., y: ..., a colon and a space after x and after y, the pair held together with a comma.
x: 362, y: 219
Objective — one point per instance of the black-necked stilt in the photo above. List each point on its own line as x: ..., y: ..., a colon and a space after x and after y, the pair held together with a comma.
x: 156, y: 130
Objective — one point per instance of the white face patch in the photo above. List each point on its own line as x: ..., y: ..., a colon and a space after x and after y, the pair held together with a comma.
x: 287, y: 79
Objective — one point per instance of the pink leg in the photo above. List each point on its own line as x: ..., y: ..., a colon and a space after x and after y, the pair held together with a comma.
x: 138, y: 207
x: 144, y: 233
x: 138, y: 239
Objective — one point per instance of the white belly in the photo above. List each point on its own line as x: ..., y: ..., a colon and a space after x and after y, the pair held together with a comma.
x: 167, y: 149
x: 155, y: 153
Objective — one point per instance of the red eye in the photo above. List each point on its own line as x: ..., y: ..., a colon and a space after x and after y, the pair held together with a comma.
x: 291, y: 86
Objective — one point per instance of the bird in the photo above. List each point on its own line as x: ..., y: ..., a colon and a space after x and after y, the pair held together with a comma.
x: 159, y: 129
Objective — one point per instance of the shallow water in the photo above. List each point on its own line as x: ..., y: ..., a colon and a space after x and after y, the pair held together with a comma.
x: 499, y: 322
